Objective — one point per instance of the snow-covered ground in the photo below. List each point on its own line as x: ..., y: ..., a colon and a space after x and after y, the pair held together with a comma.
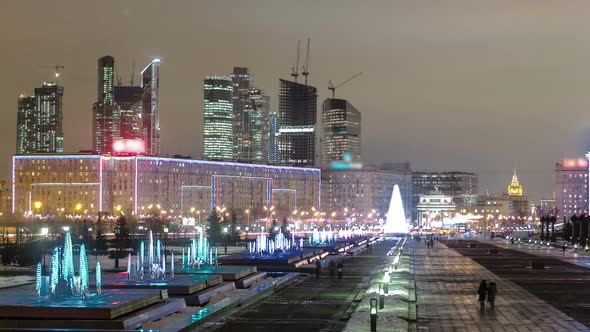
x: 14, y: 281
x: 186, y: 313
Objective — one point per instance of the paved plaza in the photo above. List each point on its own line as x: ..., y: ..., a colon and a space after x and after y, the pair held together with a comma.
x: 310, y: 304
x: 446, y: 285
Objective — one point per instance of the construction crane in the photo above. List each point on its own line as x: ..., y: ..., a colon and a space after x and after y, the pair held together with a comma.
x: 305, y: 71
x: 333, y: 88
x: 57, y: 68
x: 295, y: 70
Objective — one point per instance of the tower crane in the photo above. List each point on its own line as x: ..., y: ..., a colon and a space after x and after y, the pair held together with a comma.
x: 56, y: 73
x: 305, y: 71
x: 333, y: 88
x: 295, y: 70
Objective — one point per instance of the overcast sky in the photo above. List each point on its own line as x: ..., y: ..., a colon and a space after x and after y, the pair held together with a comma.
x: 482, y: 86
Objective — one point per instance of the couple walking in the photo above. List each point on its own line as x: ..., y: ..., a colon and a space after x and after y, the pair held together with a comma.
x: 486, y: 290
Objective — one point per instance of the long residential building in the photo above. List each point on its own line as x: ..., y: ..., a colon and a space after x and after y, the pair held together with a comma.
x: 133, y: 184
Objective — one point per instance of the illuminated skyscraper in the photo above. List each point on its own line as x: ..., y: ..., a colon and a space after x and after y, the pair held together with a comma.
x: 218, y: 118
x: 255, y: 128
x: 241, y: 85
x: 128, y: 104
x: 49, y: 135
x: 297, y: 120
x: 26, y: 126
x: 272, y: 153
x: 341, y: 131
x: 105, y: 124
x: 106, y: 80
x: 150, y: 82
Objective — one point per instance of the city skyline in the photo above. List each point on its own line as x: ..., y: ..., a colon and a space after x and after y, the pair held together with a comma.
x: 444, y: 102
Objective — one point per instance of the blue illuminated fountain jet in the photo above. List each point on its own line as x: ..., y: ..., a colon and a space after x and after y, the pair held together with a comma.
x: 396, y: 217
x: 199, y: 254
x: 63, y: 280
x: 264, y: 246
x: 150, y: 265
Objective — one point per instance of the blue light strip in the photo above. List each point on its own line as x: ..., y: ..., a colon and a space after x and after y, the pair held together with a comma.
x: 223, y: 163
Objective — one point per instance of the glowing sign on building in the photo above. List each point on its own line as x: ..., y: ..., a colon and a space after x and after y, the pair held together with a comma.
x: 129, y: 146
x: 346, y: 163
x: 575, y: 163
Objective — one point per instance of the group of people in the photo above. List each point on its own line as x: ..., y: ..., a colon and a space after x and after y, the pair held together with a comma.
x: 486, y: 291
x: 428, y: 241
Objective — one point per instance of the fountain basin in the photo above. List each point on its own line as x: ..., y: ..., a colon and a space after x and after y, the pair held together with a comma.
x: 16, y: 303
x: 228, y: 273
x: 179, y: 285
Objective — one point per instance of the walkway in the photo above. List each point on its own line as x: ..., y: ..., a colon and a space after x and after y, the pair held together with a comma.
x: 312, y: 305
x: 569, y: 256
x: 446, y: 284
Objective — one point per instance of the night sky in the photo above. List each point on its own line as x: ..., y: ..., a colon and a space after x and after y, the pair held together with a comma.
x: 482, y: 86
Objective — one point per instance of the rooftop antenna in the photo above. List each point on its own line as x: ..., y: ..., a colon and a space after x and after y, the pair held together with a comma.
x: 295, y: 70
x: 132, y: 72
x: 333, y: 88
x: 305, y: 71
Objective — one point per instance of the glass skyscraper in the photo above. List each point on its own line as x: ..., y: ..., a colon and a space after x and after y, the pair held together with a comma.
x: 218, y: 118
x: 49, y: 135
x: 26, y: 125
x: 128, y: 105
x: 272, y: 156
x: 297, y: 120
x: 241, y: 85
x: 341, y: 131
x: 150, y: 82
x: 105, y: 124
x: 255, y: 127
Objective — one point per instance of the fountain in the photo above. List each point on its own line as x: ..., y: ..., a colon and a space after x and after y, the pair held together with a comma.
x: 151, y: 266
x: 65, y: 299
x: 63, y: 280
x: 323, y: 236
x: 199, y: 254
x: 396, y: 218
x: 199, y: 259
x: 348, y: 234
x: 264, y: 246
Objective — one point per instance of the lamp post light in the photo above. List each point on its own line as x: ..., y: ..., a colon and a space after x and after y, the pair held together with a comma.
x: 386, y: 280
x: 44, y: 233
x: 373, y: 313
x: 381, y: 296
x: 248, y: 216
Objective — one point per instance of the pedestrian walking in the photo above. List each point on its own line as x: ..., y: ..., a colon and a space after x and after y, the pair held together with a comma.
x: 318, y: 269
x: 492, y: 293
x: 481, y: 293
x: 332, y: 268
x: 339, y: 268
